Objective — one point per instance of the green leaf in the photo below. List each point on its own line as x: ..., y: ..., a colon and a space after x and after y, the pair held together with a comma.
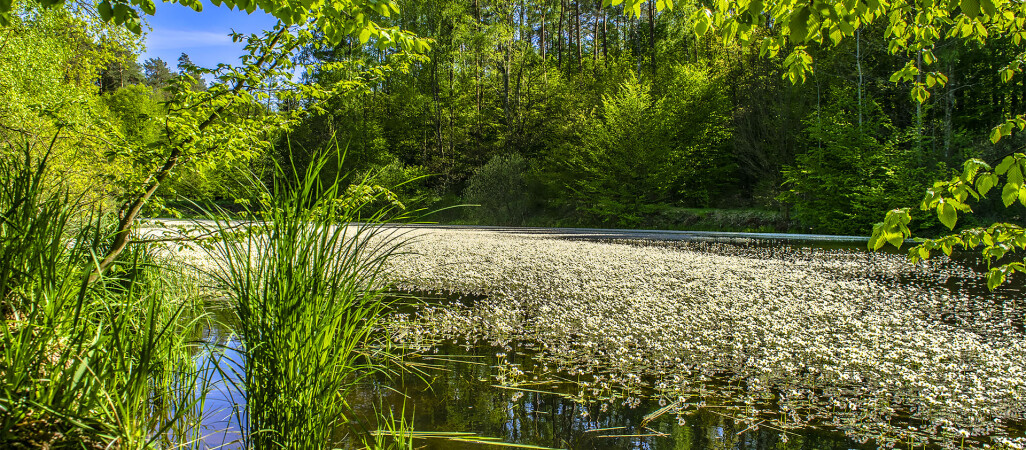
x: 1007, y: 74
x: 365, y: 35
x: 846, y: 27
x: 929, y: 57
x: 995, y: 134
x: 800, y: 24
x: 1014, y: 175
x: 994, y: 278
x: 106, y: 10
x: 875, y: 241
x: 836, y: 36
x: 947, y: 214
x: 988, y: 6
x: 985, y: 183
x: 895, y: 239
x: 970, y: 8
x: 1009, y: 194
x: 134, y: 25
x: 1005, y: 165
x: 701, y: 22
x: 120, y: 13
x: 920, y: 94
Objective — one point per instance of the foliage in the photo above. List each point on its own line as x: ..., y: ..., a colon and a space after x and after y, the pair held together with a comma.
x: 49, y: 61
x: 640, y: 151
x: 913, y: 28
x: 850, y: 170
x: 226, y: 124
x: 89, y: 365
x: 615, y: 176
x: 394, y: 185
x: 696, y: 116
x: 138, y: 109
x: 307, y: 293
x: 500, y: 191
x: 996, y: 242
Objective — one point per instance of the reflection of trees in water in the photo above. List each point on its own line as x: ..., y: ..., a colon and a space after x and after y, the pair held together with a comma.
x: 887, y: 351
x: 461, y: 397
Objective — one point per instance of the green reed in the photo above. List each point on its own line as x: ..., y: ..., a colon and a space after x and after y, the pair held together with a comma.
x: 303, y: 280
x: 107, y: 364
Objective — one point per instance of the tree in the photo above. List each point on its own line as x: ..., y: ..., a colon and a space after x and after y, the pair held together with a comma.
x: 850, y: 170
x: 120, y: 72
x: 499, y: 188
x: 186, y: 67
x: 618, y: 173
x: 158, y: 75
x: 50, y: 65
x: 224, y: 124
x: 913, y: 28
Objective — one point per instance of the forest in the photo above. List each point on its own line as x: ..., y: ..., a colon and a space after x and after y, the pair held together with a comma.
x: 545, y: 113
x: 247, y: 255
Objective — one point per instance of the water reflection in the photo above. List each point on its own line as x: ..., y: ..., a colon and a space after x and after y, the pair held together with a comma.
x: 462, y: 394
x: 890, y: 353
x: 223, y: 411
x: 522, y: 396
x: 460, y: 390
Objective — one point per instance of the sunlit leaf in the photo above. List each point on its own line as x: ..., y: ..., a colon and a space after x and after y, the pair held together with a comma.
x: 947, y: 214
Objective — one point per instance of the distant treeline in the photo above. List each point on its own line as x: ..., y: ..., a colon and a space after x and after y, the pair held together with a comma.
x: 561, y: 112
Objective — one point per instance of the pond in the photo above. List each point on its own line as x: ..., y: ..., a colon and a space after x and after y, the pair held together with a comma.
x: 559, y: 343
x: 507, y: 394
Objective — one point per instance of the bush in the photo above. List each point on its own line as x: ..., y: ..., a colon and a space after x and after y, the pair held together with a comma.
x: 851, y: 171
x: 500, y: 187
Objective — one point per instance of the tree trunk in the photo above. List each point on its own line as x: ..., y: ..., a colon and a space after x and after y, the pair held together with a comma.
x: 605, y: 31
x: 595, y: 36
x: 577, y: 18
x: 949, y: 106
x: 436, y: 102
x: 524, y: 44
x: 541, y: 41
x: 652, y: 36
x: 541, y: 45
x: 858, y: 65
x: 919, y: 110
x: 559, y: 36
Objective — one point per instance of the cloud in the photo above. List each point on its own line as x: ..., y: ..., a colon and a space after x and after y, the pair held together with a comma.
x: 167, y: 39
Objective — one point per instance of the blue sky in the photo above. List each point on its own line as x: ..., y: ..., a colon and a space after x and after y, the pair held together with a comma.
x: 203, y: 35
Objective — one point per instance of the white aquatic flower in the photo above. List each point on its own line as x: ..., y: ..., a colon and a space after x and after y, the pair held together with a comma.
x: 848, y: 339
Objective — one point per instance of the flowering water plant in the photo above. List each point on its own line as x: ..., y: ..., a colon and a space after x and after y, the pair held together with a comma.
x: 866, y: 343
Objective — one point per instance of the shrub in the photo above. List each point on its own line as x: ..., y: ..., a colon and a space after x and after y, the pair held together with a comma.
x: 500, y: 187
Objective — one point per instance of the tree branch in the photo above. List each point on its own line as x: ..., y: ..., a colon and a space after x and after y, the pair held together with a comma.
x: 123, y: 232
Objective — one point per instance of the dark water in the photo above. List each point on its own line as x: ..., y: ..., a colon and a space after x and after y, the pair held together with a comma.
x: 458, y: 390
x: 453, y: 388
x: 462, y: 393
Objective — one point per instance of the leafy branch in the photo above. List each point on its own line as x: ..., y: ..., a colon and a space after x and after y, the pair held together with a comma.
x: 951, y: 197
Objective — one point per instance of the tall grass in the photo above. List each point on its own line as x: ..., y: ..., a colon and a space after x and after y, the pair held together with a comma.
x: 303, y: 281
x: 102, y: 364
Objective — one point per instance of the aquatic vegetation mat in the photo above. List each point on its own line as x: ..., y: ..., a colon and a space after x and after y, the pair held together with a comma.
x: 786, y: 337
